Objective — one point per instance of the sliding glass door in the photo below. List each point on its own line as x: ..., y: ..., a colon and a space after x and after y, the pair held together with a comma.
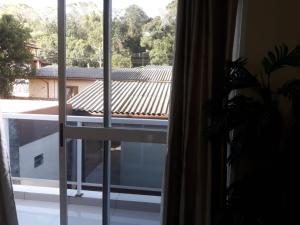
x: 122, y: 153
x: 88, y: 122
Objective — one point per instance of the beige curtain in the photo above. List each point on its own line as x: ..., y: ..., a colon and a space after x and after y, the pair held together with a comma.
x: 195, y: 171
x: 8, y: 215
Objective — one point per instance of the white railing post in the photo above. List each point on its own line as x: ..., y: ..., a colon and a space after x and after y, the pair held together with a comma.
x: 79, y: 164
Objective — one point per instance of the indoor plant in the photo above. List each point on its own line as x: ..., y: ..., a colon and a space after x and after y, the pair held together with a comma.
x: 261, y: 149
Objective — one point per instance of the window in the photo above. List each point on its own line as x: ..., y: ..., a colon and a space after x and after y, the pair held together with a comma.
x: 129, y: 87
x: 71, y: 91
x: 21, y: 88
x: 38, y: 160
x: 114, y: 97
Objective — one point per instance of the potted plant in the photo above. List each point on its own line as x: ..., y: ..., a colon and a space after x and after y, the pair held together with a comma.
x: 247, y: 116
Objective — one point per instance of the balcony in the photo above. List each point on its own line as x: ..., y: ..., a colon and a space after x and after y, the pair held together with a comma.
x: 47, y: 213
x: 136, y: 171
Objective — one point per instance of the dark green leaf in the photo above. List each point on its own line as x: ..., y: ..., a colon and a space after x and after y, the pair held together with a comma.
x: 281, y: 57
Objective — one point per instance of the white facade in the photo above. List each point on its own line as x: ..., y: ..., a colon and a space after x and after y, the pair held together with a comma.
x: 48, y: 147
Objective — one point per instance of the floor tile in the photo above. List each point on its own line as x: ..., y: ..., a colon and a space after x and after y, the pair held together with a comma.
x: 47, y: 213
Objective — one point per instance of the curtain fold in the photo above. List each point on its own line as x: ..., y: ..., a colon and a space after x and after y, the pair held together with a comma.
x: 195, y: 170
x: 8, y: 214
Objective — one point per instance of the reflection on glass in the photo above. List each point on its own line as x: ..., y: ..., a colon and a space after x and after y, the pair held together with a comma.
x: 84, y: 55
x: 84, y: 161
x: 133, y: 165
x: 33, y: 149
x: 142, y: 164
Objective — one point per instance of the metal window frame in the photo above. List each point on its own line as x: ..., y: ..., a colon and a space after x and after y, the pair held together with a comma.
x: 61, y: 23
x: 85, y: 119
x: 106, y: 133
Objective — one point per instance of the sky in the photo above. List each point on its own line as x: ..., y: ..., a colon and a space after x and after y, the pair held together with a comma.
x: 151, y: 7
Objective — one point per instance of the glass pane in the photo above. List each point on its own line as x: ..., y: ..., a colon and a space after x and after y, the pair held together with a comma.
x: 84, y: 172
x: 84, y: 59
x: 29, y: 104
x: 143, y: 38
x: 34, y: 151
x: 138, y: 165
x: 34, y: 164
x: 142, y: 57
x: 137, y: 175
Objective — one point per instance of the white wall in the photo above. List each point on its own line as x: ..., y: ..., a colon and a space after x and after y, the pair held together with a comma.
x: 48, y: 146
x: 142, y: 164
x: 38, y: 88
x: 269, y: 23
x: 21, y: 88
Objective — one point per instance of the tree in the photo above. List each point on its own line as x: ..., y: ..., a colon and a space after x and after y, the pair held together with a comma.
x: 43, y: 27
x: 128, y: 31
x: 135, y: 36
x: 161, y: 52
x: 23, y: 13
x: 94, y: 29
x: 121, y: 61
x: 159, y: 36
x: 119, y: 35
x: 171, y: 15
x: 81, y: 53
x: 84, y: 36
x: 15, y: 57
x: 46, y: 39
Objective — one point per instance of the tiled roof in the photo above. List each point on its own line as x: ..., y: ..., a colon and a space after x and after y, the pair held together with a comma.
x: 129, y: 99
x: 147, y: 73
x: 71, y: 72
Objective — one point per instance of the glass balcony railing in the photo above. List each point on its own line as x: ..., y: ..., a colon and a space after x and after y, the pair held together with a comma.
x: 136, y: 167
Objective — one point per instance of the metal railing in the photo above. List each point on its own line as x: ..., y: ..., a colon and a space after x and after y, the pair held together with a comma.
x: 85, y: 119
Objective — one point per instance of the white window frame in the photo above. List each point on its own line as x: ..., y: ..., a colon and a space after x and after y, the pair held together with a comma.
x: 106, y: 133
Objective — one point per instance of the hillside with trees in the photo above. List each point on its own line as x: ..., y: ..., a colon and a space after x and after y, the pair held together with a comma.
x: 137, y: 39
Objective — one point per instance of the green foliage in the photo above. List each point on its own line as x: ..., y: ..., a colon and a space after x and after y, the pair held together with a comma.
x: 119, y: 35
x: 281, y: 57
x: 171, y: 14
x: 133, y: 32
x: 15, y: 57
x: 24, y: 14
x: 80, y: 53
x: 134, y: 18
x: 159, y: 37
x: 291, y: 90
x: 228, y: 112
x: 121, y: 61
x: 160, y: 53
x: 84, y: 36
x: 46, y: 39
x: 128, y: 31
x: 153, y: 30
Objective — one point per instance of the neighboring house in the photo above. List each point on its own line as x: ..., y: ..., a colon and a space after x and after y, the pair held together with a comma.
x: 140, y: 93
x: 37, y: 61
x: 45, y: 83
x: 137, y: 93
x: 21, y: 86
x: 129, y: 99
